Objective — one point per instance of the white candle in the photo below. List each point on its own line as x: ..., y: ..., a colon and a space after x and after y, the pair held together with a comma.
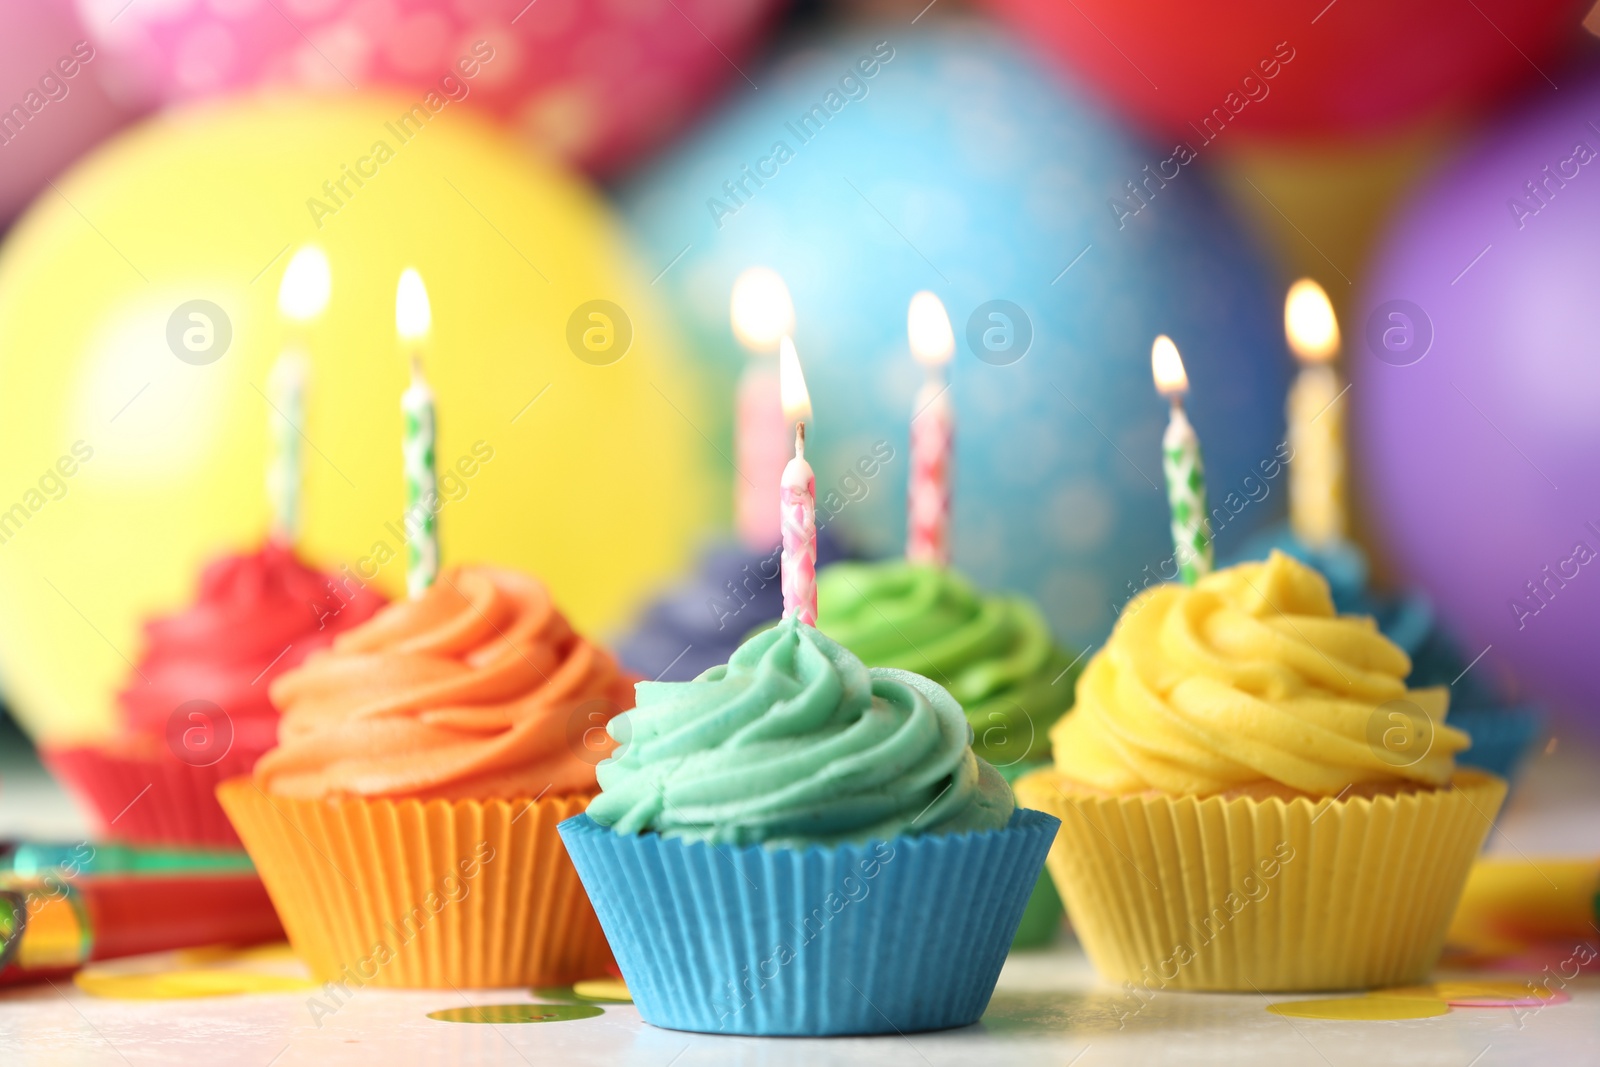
x: 932, y: 434
x: 761, y: 313
x: 1180, y: 459
x: 1317, y: 511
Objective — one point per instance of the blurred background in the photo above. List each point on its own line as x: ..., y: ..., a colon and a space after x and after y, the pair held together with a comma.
x: 1070, y: 179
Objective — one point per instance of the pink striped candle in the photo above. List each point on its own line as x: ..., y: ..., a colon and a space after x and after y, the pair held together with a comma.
x: 760, y: 449
x: 761, y: 313
x: 797, y: 493
x: 928, y: 495
x: 932, y: 435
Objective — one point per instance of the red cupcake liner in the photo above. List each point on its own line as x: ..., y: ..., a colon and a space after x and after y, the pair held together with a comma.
x: 152, y: 799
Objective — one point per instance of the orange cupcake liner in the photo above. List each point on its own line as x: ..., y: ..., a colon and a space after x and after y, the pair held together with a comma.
x: 1249, y: 895
x: 423, y: 894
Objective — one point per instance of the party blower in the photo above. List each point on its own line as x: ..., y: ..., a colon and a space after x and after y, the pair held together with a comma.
x: 1508, y: 902
x: 51, y: 927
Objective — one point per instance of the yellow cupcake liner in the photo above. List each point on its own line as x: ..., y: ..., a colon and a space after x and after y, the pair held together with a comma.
x: 414, y: 894
x: 1248, y: 895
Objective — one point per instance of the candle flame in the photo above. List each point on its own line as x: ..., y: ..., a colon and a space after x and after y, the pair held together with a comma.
x: 412, y: 313
x: 1167, y: 367
x: 792, y: 383
x: 761, y: 309
x: 303, y: 293
x: 1309, y: 321
x: 927, y: 324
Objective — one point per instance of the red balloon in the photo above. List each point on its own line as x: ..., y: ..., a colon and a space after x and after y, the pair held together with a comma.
x: 1275, y: 68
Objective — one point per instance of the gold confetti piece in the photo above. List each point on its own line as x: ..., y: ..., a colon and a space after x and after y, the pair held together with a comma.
x: 1464, y: 989
x: 1372, y: 1007
x: 182, y: 985
x: 273, y: 952
x: 611, y: 989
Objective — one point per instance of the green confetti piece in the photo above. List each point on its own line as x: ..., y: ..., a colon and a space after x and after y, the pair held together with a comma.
x: 517, y: 1013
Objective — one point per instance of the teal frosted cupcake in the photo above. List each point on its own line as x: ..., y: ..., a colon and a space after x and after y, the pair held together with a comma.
x: 797, y: 844
x: 994, y: 653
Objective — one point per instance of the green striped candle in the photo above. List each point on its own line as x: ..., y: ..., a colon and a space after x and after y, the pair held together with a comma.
x: 287, y: 387
x: 1181, y: 462
x: 302, y: 297
x: 413, y: 317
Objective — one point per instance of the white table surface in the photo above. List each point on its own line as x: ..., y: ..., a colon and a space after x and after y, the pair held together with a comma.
x: 1047, y: 1010
x: 1049, y: 1007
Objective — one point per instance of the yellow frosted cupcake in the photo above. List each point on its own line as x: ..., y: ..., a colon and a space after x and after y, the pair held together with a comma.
x: 1252, y: 799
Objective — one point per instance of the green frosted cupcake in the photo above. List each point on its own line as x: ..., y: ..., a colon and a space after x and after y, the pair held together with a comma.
x: 995, y: 654
x: 1041, y: 919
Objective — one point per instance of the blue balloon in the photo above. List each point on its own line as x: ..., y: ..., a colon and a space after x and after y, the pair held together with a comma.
x: 870, y: 165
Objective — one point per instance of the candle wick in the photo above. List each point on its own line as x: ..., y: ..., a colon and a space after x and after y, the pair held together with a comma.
x: 416, y: 366
x: 800, y: 439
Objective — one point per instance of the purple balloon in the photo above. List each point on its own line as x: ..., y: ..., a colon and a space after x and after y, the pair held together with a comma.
x: 1477, y: 398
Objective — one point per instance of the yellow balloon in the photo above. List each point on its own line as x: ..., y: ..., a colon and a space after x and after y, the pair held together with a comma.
x: 1323, y: 206
x: 139, y: 322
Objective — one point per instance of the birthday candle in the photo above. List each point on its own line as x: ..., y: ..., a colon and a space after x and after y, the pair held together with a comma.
x: 932, y: 434
x: 287, y: 388
x: 413, y: 317
x: 1317, y: 512
x: 798, y: 498
x: 302, y: 296
x: 762, y: 313
x: 1180, y: 459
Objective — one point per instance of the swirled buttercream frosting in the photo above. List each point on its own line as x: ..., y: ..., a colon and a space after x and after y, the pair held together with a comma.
x: 795, y: 741
x: 479, y: 689
x: 256, y: 616
x: 995, y: 654
x: 1406, y: 616
x: 1248, y: 679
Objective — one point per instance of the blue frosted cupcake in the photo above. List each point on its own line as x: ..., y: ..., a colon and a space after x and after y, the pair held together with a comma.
x: 796, y: 844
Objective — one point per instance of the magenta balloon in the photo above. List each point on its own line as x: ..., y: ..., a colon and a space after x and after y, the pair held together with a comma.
x: 1476, y: 370
x: 52, y: 105
x: 599, y: 83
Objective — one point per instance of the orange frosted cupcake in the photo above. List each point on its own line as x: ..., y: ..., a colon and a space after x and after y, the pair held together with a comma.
x: 422, y: 766
x: 1250, y: 797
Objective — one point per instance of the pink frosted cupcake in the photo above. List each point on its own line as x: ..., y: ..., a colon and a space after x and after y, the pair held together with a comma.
x: 195, y: 709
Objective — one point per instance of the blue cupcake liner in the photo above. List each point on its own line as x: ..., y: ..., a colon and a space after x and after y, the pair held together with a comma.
x: 899, y: 936
x: 1041, y: 919
x: 1501, y: 736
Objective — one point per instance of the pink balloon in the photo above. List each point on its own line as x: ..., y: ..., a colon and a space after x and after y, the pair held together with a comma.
x: 52, y: 104
x: 597, y: 82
